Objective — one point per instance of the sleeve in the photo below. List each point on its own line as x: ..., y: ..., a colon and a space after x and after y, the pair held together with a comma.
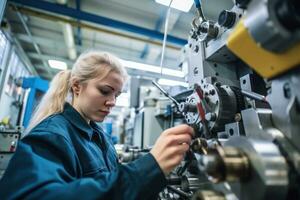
x: 45, y: 166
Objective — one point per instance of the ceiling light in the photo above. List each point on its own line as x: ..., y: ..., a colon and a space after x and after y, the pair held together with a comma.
x: 182, y: 5
x: 56, y: 64
x: 172, y: 82
x: 152, y: 68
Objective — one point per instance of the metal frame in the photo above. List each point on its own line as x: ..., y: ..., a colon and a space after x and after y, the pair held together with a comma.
x: 85, y: 16
x: 34, y: 84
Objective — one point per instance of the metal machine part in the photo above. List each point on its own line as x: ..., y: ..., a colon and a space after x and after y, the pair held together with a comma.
x: 268, y: 169
x: 220, y: 106
x: 207, y: 30
x: 129, y: 154
x: 248, y: 164
x: 286, y: 114
x: 274, y: 24
x: 8, y: 144
x: 199, y: 145
x: 9, y: 141
x: 249, y: 74
x: 208, y: 195
x: 227, y: 18
x: 190, y: 183
x: 225, y: 164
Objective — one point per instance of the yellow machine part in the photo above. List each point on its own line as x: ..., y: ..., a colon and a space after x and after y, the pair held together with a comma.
x: 265, y: 63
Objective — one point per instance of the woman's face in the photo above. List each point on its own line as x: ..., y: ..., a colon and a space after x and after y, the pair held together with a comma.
x: 95, y: 98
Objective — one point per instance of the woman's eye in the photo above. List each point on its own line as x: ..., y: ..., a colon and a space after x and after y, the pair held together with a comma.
x: 104, y: 92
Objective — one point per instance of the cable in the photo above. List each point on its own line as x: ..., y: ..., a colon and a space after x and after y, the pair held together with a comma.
x: 165, y: 37
x: 199, y: 9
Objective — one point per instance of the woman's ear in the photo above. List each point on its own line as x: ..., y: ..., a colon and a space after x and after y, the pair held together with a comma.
x: 76, y: 88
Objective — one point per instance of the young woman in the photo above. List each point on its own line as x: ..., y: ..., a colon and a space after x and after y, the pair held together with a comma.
x: 66, y: 155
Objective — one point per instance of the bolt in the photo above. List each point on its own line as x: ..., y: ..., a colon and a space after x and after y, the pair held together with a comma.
x: 211, y: 163
x: 200, y: 146
x: 210, y: 116
x: 196, y: 49
x: 238, y: 117
x: 217, y: 84
x: 287, y: 91
x: 196, y: 71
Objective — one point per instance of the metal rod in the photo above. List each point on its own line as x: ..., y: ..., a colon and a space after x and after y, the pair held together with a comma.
x: 181, y: 193
x: 36, y: 47
x: 93, y: 18
x: 253, y: 95
x: 166, y: 93
x: 75, y: 23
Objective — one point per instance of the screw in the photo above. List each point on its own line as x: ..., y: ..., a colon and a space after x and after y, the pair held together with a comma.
x: 238, y: 117
x: 287, y: 90
x: 210, y: 116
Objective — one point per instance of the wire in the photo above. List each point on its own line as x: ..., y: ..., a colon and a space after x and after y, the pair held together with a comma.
x: 165, y: 37
x: 198, y: 5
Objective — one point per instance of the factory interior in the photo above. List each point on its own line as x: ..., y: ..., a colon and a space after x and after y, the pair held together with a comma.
x: 228, y: 69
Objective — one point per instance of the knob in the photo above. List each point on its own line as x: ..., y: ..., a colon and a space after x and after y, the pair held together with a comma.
x: 226, y: 18
x: 242, y: 3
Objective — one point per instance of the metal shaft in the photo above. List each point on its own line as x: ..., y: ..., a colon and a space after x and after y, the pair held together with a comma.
x: 165, y: 93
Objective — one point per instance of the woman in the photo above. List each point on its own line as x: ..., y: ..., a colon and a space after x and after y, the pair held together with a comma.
x: 67, y: 156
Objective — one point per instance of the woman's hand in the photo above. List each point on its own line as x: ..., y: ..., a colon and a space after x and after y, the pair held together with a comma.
x: 170, y: 147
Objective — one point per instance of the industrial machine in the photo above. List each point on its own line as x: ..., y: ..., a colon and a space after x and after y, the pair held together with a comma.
x: 245, y: 105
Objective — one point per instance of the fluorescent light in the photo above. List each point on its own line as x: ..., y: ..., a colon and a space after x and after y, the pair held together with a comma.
x: 182, y: 5
x: 56, y: 64
x: 152, y: 68
x: 171, y: 82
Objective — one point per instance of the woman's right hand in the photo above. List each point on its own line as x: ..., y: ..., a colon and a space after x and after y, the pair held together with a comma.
x: 170, y: 147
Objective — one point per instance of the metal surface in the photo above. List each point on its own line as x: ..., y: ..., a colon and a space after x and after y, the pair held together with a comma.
x: 264, y: 26
x: 254, y: 151
x: 208, y: 195
x: 4, y: 160
x: 85, y: 25
x: 9, y: 141
x: 36, y: 47
x: 285, y: 103
x: 166, y: 93
x: 269, y: 169
x: 226, y: 164
x: 2, y: 8
x: 220, y: 107
x: 35, y: 85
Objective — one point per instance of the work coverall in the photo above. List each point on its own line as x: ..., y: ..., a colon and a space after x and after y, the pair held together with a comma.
x: 64, y: 157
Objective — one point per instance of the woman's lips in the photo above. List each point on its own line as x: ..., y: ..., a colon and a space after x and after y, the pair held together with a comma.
x: 104, y: 112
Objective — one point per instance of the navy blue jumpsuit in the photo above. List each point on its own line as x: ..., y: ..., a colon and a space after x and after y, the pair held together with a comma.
x: 65, y: 158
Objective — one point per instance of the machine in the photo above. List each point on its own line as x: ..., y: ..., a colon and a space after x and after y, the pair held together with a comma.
x: 245, y: 105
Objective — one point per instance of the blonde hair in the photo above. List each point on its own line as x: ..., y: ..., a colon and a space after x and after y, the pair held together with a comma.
x: 89, y: 65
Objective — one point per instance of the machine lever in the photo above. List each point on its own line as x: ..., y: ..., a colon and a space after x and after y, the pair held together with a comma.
x: 166, y: 93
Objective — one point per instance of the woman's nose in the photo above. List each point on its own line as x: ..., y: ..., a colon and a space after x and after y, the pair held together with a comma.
x: 111, y: 102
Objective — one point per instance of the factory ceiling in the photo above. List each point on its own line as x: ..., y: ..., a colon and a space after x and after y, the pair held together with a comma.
x: 131, y: 29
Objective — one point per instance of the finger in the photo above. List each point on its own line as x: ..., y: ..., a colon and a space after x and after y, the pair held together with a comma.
x: 176, y: 150
x: 178, y: 139
x: 181, y: 129
x: 176, y: 160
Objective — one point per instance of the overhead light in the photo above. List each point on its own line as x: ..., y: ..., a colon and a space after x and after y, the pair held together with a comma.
x: 152, y: 68
x: 182, y: 5
x: 171, y: 82
x: 56, y: 64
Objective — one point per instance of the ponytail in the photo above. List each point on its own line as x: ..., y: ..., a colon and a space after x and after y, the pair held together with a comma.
x: 54, y: 99
x: 89, y: 65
